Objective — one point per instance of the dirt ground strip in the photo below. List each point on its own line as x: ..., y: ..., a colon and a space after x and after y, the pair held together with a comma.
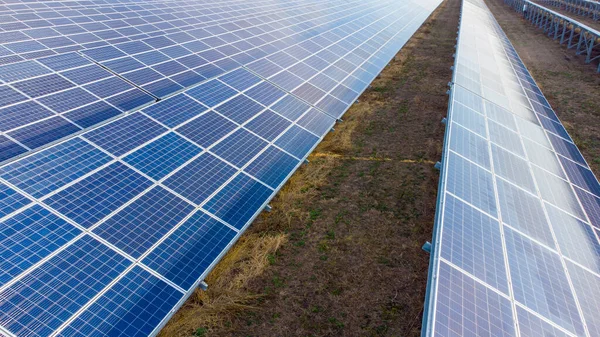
x: 571, y: 86
x: 340, y: 254
x: 588, y: 21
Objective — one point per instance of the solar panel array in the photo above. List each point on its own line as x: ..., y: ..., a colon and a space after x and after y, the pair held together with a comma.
x: 141, y: 138
x: 516, y: 250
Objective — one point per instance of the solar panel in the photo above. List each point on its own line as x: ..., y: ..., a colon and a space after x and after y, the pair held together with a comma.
x: 139, y: 139
x: 515, y: 247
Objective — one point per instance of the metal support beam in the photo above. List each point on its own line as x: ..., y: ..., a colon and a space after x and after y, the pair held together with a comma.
x: 572, y: 33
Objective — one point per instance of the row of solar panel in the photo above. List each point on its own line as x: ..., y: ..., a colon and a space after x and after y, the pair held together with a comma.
x: 170, y: 186
x: 79, y: 91
x: 178, y: 24
x: 70, y: 86
x: 516, y: 248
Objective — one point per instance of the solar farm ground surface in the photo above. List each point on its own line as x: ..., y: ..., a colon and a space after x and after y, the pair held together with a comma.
x: 348, y: 226
x: 340, y: 253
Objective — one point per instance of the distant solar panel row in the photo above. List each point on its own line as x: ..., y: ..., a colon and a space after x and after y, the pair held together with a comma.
x: 109, y: 231
x: 516, y: 249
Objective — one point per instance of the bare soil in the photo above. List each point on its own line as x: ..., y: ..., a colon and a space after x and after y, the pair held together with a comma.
x: 340, y: 254
x: 571, y: 86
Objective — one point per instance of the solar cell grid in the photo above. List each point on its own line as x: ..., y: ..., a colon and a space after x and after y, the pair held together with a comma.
x: 544, y: 192
x: 129, y: 181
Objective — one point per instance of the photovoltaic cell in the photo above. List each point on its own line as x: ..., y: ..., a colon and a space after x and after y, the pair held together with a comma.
x: 42, y: 295
x: 141, y: 224
x: 533, y: 267
x: 17, y: 115
x: 539, y: 194
x: 133, y: 306
x: 530, y: 325
x: 163, y: 155
x: 125, y: 134
x: 9, y: 148
x: 55, y: 167
x: 471, y: 183
x: 467, y: 308
x: 207, y: 129
x: 587, y: 288
x: 272, y: 166
x: 92, y: 114
x: 30, y: 236
x: 44, y: 132
x: 10, y: 200
x: 238, y: 201
x: 239, y: 109
x: 212, y: 93
x: 188, y: 252
x: 297, y: 141
x: 175, y: 110
x: 239, y: 147
x: 200, y: 178
x: 472, y: 242
x: 93, y: 198
x: 470, y: 145
x: 95, y: 66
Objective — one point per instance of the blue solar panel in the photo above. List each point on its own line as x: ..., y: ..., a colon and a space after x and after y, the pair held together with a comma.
x: 21, y: 114
x: 238, y: 201
x: 163, y: 155
x: 540, y: 281
x: 175, y: 110
x: 10, y: 200
x: 174, y: 119
x: 240, y: 109
x: 200, y: 178
x: 297, y: 141
x: 189, y: 251
x: 44, y: 132
x: 470, y: 145
x: 290, y: 107
x: 44, y: 85
x: 93, y: 198
x: 125, y: 134
x: 134, y: 306
x: 517, y: 214
x: 22, y: 70
x: 45, y: 298
x: 471, y: 183
x: 239, y: 147
x: 92, y: 114
x: 55, y: 167
x: 28, y: 237
x: 532, y: 325
x: 141, y: 224
x: 207, y: 129
x: 272, y: 166
x: 9, y: 96
x: 9, y: 148
x: 212, y: 93
x: 468, y: 308
x: 472, y: 242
